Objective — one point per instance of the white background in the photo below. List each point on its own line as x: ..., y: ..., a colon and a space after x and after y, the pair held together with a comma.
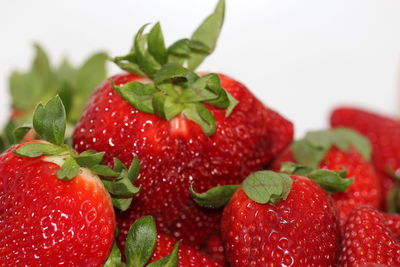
x: 300, y: 57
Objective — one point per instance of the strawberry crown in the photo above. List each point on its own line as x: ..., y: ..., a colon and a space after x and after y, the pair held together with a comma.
x: 49, y: 123
x: 272, y: 187
x: 310, y: 150
x: 139, y: 247
x: 174, y: 87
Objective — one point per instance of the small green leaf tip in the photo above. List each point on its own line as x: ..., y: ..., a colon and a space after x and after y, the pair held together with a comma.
x: 330, y: 181
x: 171, y: 260
x: 215, y: 197
x: 140, y: 242
x: 310, y: 150
x: 115, y: 258
x: 50, y: 121
x: 175, y: 88
x: 267, y: 187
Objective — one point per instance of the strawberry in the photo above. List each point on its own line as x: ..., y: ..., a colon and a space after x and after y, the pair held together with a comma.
x: 264, y: 223
x: 54, y: 207
x: 337, y: 150
x: 393, y: 222
x: 383, y: 133
x: 215, y: 249
x: 368, y: 240
x: 146, y: 247
x: 186, y: 128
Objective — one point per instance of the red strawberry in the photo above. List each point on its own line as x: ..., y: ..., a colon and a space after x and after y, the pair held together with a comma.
x: 337, y: 156
x: 54, y: 208
x: 393, y: 222
x: 188, y: 257
x: 47, y: 221
x: 270, y: 222
x: 215, y: 249
x: 184, y: 128
x: 368, y: 240
x: 384, y: 135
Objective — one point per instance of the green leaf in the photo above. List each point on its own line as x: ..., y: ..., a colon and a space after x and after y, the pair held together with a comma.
x: 104, y: 171
x: 306, y: 154
x: 215, y: 197
x: 20, y: 133
x: 114, y: 259
x: 140, y: 242
x: 89, y: 158
x: 358, y: 141
x: 145, y: 60
x: 134, y: 169
x: 156, y: 44
x: 331, y: 181
x: 207, y: 33
x: 68, y: 170
x: 293, y: 168
x: 118, y: 165
x: 138, y: 95
x: 171, y: 260
x: 128, y: 66
x: 121, y: 186
x: 267, y: 187
x: 202, y: 116
x: 232, y: 104
x: 33, y: 150
x: 180, y: 49
x: 199, y: 47
x: 170, y: 71
x: 50, y: 121
x: 165, y: 106
x: 66, y: 94
x: 121, y: 203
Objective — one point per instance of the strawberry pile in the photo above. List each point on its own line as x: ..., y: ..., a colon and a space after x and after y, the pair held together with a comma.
x: 166, y: 166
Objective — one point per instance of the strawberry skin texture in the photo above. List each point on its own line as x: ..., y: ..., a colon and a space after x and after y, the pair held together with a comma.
x: 368, y: 240
x: 47, y: 222
x: 365, y: 189
x: 215, y: 249
x: 383, y: 133
x: 173, y: 154
x: 299, y: 231
x: 188, y: 257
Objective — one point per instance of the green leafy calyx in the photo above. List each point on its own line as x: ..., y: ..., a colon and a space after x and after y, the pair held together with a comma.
x: 215, y: 197
x: 49, y: 122
x: 267, y: 187
x: 330, y: 181
x: 140, y: 246
x: 174, y: 88
x: 310, y: 150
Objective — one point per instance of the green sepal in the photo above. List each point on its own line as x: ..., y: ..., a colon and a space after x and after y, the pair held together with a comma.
x: 267, y: 187
x: 68, y: 170
x: 330, y: 181
x: 121, y: 186
x: 171, y: 260
x: 147, y: 63
x: 138, y: 95
x: 89, y: 158
x: 215, y: 197
x: 49, y: 121
x: 20, y: 133
x: 121, y: 203
x: 134, y: 169
x: 207, y: 33
x: 393, y: 200
x: 310, y: 150
x: 104, y: 171
x: 140, y: 242
x: 202, y: 116
x: 170, y: 71
x: 118, y: 165
x: 115, y: 258
x: 128, y: 66
x: 156, y: 44
x: 33, y: 150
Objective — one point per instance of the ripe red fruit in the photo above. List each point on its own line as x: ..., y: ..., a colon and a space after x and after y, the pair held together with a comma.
x: 176, y: 153
x: 383, y: 133
x: 365, y: 189
x: 188, y: 257
x: 301, y: 230
x: 214, y: 247
x: 368, y: 240
x: 47, y: 221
